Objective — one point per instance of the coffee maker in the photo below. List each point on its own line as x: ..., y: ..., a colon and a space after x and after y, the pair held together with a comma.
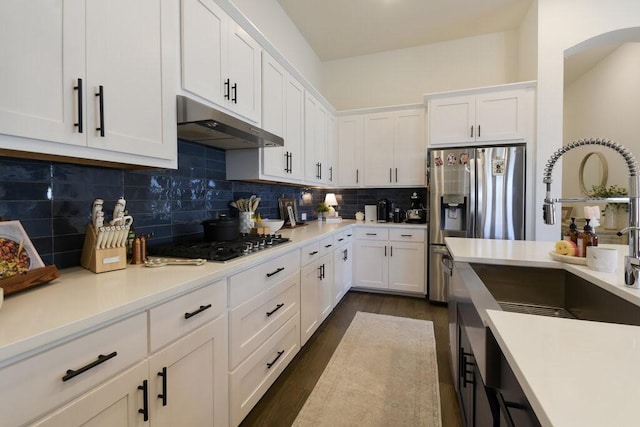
x: 383, y: 210
x: 416, y: 214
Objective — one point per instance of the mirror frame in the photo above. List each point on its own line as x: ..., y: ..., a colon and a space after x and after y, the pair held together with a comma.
x: 605, y: 169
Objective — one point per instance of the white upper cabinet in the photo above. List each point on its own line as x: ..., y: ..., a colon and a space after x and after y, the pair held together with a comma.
x: 394, y: 148
x: 97, y: 75
x: 489, y: 116
x: 220, y: 61
x: 350, y: 150
x: 316, y: 168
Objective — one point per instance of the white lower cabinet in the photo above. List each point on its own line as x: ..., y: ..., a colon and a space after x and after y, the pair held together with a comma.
x: 264, y: 329
x: 342, y: 266
x: 388, y: 258
x: 316, y: 286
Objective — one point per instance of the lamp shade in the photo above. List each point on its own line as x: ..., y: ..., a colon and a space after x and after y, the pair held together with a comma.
x: 330, y: 199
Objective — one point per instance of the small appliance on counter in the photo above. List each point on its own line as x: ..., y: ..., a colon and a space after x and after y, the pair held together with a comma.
x: 416, y: 214
x: 371, y: 213
x: 383, y: 210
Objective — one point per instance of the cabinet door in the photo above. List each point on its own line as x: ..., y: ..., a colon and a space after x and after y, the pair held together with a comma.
x: 311, y: 162
x: 243, y: 56
x: 114, y: 403
x: 320, y: 142
x: 274, y: 83
x: 350, y: 150
x: 407, y: 266
x: 204, y: 33
x: 326, y: 287
x: 342, y: 272
x: 310, y: 300
x: 372, y: 264
x: 189, y: 379
x: 42, y: 56
x: 294, y: 127
x: 331, y: 150
x: 410, y: 148
x: 378, y: 151
x: 452, y: 120
x: 124, y: 57
x: 501, y: 116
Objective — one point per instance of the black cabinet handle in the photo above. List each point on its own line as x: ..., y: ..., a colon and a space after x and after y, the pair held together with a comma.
x: 341, y: 239
x: 471, y: 132
x: 234, y: 88
x: 406, y: 235
x: 385, y: 251
x: 320, y: 169
x: 101, y: 359
x: 396, y: 174
x: 372, y: 234
x: 145, y: 400
x: 357, y: 176
x: 344, y: 255
x: 331, y: 173
x: 313, y: 253
x: 278, y: 270
x: 320, y: 272
x: 349, y: 235
x: 278, y: 307
x: 79, y: 125
x: 328, y: 246
x: 227, y: 90
x: 198, y: 311
x: 100, y: 96
x: 390, y: 175
x: 163, y: 395
x: 390, y: 250
x: 273, y: 362
x: 290, y: 162
x: 478, y: 131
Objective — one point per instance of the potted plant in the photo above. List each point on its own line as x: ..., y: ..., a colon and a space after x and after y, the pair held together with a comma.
x: 611, y: 210
x: 321, y: 209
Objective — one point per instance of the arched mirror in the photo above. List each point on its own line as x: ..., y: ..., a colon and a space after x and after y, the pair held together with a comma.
x: 593, y: 171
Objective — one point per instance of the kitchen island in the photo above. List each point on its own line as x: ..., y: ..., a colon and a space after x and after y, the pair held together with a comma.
x: 573, y: 372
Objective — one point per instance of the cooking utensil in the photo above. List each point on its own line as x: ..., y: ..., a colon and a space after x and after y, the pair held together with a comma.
x: 161, y: 262
x: 222, y: 229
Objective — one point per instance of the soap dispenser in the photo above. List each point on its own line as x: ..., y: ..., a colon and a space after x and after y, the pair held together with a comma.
x: 586, y: 238
x: 572, y: 232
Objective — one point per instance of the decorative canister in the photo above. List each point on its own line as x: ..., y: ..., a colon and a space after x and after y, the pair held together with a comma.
x: 246, y: 221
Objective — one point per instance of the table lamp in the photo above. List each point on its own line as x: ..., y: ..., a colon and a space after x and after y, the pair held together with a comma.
x: 330, y: 200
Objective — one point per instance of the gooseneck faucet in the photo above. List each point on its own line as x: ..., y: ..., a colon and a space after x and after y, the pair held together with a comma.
x: 631, y: 261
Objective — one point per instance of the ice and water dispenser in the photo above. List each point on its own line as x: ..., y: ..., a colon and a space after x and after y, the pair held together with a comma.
x: 453, y: 212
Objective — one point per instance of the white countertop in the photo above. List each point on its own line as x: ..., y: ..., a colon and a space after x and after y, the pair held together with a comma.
x: 573, y: 372
x: 80, y: 300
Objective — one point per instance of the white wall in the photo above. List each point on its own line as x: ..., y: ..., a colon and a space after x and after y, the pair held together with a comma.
x: 269, y: 17
x: 563, y: 24
x: 603, y: 103
x: 528, y: 45
x: 404, y: 76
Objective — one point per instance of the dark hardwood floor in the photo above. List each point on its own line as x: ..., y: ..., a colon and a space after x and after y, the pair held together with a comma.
x: 282, y: 402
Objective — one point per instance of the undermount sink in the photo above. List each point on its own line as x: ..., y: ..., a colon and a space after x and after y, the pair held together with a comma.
x: 555, y: 293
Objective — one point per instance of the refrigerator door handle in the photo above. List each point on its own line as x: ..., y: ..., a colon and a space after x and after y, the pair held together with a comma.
x: 473, y: 187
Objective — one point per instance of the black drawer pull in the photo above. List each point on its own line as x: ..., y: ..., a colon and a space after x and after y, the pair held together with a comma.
x: 101, y: 359
x: 278, y: 307
x: 226, y: 89
x: 145, y: 400
x: 198, y: 311
x: 278, y: 270
x: 270, y: 364
x: 341, y: 239
x: 163, y: 395
x: 328, y: 246
x: 313, y: 253
x: 406, y: 235
x: 372, y: 234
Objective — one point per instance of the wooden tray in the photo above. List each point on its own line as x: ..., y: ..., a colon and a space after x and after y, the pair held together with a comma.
x: 568, y: 259
x: 30, y: 279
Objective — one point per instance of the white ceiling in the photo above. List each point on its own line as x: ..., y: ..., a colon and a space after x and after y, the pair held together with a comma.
x: 345, y: 28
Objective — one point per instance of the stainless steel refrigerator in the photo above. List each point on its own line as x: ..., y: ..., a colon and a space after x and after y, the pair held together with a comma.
x: 474, y: 192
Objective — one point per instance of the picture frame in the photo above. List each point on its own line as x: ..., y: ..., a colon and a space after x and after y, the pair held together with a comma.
x: 283, y: 204
x: 17, y: 253
x: 566, y: 212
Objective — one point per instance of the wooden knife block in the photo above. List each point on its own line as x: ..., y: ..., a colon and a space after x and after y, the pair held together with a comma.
x: 101, y: 260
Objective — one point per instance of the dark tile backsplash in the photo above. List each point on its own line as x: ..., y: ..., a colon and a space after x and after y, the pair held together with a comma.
x: 53, y: 200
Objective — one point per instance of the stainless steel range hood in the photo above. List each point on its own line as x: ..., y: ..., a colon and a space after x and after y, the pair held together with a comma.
x: 205, y: 125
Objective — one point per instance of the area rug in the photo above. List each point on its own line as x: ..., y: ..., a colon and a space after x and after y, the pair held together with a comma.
x: 383, y: 373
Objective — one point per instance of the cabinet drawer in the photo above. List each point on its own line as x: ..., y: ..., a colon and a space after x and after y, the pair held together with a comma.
x: 310, y: 252
x: 326, y: 245
x: 176, y: 318
x: 45, y: 381
x: 244, y: 286
x: 372, y: 233
x: 407, y: 234
x: 252, y: 323
x: 255, y: 375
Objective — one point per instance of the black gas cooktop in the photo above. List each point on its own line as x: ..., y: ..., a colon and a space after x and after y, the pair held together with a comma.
x: 245, y: 245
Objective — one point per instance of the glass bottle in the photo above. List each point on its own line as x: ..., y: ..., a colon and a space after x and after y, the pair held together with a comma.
x: 585, y: 239
x: 572, y: 232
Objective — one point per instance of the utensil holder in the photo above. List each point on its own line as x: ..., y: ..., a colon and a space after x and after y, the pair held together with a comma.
x: 105, y: 259
x: 246, y: 221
